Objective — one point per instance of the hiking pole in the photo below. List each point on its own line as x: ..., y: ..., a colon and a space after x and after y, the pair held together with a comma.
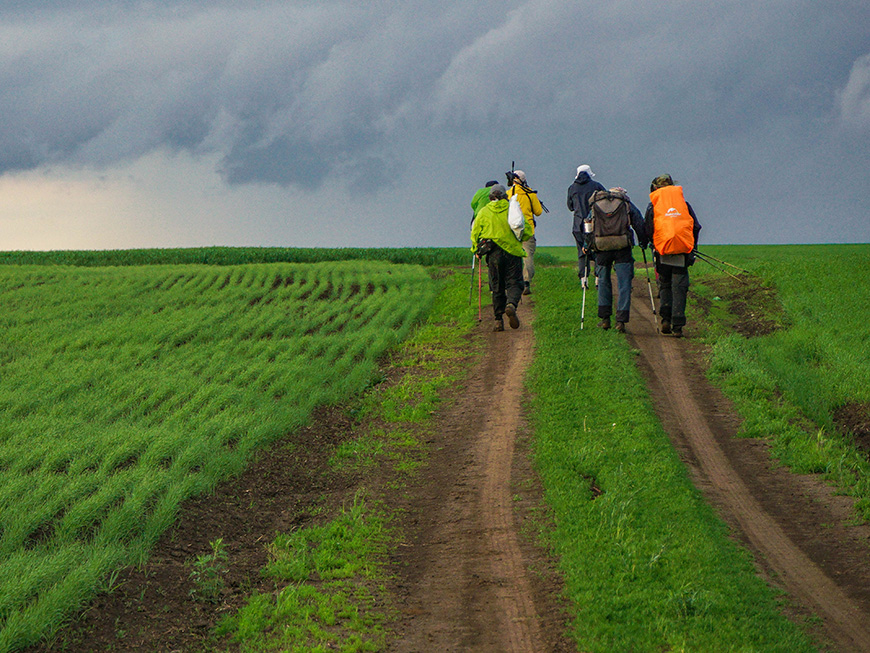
x: 721, y: 269
x: 479, y: 286
x: 649, y: 287
x: 471, y: 288
x: 584, y: 283
x: 721, y: 261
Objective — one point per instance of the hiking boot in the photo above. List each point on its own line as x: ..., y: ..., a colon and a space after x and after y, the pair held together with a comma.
x: 511, y: 312
x: 499, y: 325
x: 605, y: 323
x: 620, y: 326
x: 666, y: 326
x: 678, y: 332
x: 527, y: 290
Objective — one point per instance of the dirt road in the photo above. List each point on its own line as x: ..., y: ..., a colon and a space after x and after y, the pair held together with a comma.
x: 465, y: 580
x: 799, y: 531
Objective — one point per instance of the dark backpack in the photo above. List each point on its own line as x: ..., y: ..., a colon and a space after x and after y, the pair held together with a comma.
x: 610, y: 221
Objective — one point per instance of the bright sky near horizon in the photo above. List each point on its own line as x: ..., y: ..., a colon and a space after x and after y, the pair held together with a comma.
x: 314, y: 123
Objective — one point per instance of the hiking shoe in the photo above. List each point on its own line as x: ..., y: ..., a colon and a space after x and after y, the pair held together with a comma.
x: 666, y: 326
x: 499, y: 325
x: 605, y: 323
x: 678, y: 332
x: 511, y: 312
x: 527, y: 290
x: 620, y: 326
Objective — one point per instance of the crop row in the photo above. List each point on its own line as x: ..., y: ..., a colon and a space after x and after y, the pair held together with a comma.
x: 124, y: 391
x: 237, y: 256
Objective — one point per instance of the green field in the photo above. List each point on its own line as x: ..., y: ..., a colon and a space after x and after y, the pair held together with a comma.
x: 125, y: 391
x: 130, y: 381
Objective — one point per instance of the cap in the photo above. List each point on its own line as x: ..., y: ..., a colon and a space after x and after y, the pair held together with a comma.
x: 497, y: 192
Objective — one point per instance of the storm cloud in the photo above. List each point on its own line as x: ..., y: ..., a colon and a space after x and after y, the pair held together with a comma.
x: 322, y: 99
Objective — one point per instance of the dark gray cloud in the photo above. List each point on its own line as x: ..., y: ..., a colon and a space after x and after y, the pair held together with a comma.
x: 308, y: 94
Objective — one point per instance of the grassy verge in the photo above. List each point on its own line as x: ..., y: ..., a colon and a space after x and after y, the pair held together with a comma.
x: 328, y: 579
x: 796, y: 381
x: 647, y: 564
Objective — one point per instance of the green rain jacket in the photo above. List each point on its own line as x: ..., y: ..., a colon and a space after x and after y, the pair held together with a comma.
x: 480, y: 199
x: 492, y: 223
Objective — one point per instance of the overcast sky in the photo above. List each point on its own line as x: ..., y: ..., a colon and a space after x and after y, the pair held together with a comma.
x: 316, y: 123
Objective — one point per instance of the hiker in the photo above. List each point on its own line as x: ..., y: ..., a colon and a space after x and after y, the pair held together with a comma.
x: 615, y: 221
x: 491, y: 236
x: 480, y: 199
x: 578, y: 202
x: 672, y: 229
x: 531, y: 206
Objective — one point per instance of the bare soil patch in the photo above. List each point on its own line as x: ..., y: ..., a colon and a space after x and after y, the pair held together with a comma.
x: 854, y: 419
x: 803, y: 536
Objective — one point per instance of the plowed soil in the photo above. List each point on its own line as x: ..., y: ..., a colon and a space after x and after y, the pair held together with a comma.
x: 468, y: 575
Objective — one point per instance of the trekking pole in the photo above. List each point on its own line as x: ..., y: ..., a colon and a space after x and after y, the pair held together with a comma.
x: 471, y: 288
x: 584, y: 283
x: 721, y: 269
x: 721, y: 261
x: 479, y: 286
x: 649, y: 287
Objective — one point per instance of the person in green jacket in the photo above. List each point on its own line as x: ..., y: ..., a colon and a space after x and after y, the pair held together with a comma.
x: 492, y: 236
x: 480, y: 198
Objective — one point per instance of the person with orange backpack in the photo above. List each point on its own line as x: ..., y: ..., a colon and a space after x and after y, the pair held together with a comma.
x: 672, y: 229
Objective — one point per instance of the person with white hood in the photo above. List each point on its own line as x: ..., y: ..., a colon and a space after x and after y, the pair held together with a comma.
x: 578, y: 201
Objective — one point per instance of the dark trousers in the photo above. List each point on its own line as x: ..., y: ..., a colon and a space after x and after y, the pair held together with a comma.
x: 673, y: 289
x: 584, y: 263
x: 505, y: 279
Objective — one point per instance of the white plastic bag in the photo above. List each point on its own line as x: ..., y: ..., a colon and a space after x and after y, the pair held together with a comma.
x: 516, y: 219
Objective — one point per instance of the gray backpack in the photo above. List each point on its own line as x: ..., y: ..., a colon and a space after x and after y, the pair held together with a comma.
x: 610, y: 220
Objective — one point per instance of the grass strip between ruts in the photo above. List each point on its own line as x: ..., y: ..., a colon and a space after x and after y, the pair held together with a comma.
x: 647, y: 564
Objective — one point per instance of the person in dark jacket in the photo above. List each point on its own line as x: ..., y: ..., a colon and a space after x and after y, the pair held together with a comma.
x: 621, y: 260
x: 578, y: 202
x: 672, y: 270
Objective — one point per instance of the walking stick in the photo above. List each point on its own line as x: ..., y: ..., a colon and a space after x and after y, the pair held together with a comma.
x: 479, y: 286
x: 721, y: 261
x: 649, y: 287
x: 471, y: 288
x: 720, y: 268
x: 584, y: 283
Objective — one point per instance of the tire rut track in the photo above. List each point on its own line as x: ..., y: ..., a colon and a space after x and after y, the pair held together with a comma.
x: 682, y: 398
x: 464, y: 576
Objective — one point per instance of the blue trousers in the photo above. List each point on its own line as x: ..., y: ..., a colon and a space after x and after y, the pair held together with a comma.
x: 624, y: 275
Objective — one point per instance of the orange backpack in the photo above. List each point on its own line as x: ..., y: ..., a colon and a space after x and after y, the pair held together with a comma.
x: 672, y: 221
